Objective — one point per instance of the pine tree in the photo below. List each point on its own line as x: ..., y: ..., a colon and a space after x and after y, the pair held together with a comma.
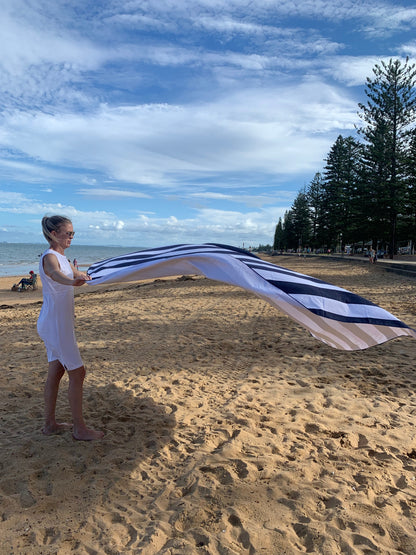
x: 316, y: 199
x: 279, y: 240
x: 290, y: 235
x: 341, y: 177
x: 301, y: 220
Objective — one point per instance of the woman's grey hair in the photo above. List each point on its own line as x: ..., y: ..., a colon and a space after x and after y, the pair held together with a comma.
x: 53, y: 223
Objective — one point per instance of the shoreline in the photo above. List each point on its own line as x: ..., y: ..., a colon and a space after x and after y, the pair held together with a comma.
x: 11, y: 299
x: 19, y: 258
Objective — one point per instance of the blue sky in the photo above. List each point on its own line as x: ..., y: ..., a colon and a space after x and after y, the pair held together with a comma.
x: 164, y: 121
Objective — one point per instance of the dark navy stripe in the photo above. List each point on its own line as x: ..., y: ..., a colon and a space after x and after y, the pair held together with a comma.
x: 358, y: 319
x: 342, y: 296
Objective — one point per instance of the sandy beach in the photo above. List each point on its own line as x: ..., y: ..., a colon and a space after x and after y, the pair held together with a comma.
x: 228, y: 429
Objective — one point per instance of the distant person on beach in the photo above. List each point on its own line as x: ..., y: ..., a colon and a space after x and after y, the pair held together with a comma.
x: 24, y: 281
x: 56, y: 327
x: 75, y: 264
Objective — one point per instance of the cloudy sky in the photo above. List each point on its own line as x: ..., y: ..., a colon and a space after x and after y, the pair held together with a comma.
x: 151, y: 122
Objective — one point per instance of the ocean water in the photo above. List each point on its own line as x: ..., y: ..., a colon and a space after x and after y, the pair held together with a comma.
x: 17, y: 259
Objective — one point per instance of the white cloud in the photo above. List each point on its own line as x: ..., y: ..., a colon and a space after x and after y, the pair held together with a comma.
x: 249, y: 200
x: 230, y: 16
x: 30, y: 171
x: 22, y: 204
x: 40, y: 60
x: 386, y: 19
x: 44, y: 57
x: 409, y: 49
x: 351, y: 70
x: 354, y: 70
x: 232, y: 227
x: 100, y: 227
x: 276, y: 131
x: 111, y: 193
x: 23, y: 46
x: 106, y: 225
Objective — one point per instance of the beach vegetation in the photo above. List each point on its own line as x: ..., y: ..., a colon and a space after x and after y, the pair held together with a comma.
x: 366, y: 194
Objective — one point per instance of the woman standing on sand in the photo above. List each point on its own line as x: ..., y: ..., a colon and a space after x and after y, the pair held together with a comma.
x: 56, y: 327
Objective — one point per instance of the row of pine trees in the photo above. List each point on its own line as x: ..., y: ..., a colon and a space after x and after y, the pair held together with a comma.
x: 366, y: 194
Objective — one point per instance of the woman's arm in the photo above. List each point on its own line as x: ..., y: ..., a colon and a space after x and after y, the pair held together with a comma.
x: 53, y: 270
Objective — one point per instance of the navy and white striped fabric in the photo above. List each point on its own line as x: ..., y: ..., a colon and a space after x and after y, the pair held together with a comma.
x: 333, y: 315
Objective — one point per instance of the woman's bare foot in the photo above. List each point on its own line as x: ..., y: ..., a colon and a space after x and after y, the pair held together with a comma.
x: 87, y: 435
x: 56, y: 428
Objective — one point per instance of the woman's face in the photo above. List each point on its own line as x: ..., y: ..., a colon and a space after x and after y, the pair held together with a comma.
x: 64, y: 235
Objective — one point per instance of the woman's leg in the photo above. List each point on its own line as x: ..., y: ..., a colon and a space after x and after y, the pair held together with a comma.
x: 55, y: 373
x: 75, y: 394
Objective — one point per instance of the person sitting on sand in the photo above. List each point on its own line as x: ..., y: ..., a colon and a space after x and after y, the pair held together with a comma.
x: 26, y: 281
x: 56, y: 327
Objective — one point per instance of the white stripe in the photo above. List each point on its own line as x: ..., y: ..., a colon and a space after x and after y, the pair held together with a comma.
x: 343, y: 309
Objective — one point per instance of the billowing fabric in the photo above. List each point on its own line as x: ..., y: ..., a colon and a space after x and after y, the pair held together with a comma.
x: 56, y: 318
x: 333, y: 315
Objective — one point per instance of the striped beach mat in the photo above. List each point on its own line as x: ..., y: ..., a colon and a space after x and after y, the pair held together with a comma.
x: 333, y: 315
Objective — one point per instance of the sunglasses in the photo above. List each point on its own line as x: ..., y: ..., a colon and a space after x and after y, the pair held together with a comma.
x: 70, y: 233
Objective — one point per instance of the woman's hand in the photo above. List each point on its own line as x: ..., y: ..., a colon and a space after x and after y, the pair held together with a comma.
x: 81, y: 278
x: 81, y: 275
x: 78, y: 281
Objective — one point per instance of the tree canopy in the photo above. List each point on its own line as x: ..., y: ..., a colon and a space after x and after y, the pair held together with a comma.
x: 367, y: 191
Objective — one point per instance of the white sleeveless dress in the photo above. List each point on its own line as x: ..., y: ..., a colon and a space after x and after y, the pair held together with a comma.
x: 56, y: 318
